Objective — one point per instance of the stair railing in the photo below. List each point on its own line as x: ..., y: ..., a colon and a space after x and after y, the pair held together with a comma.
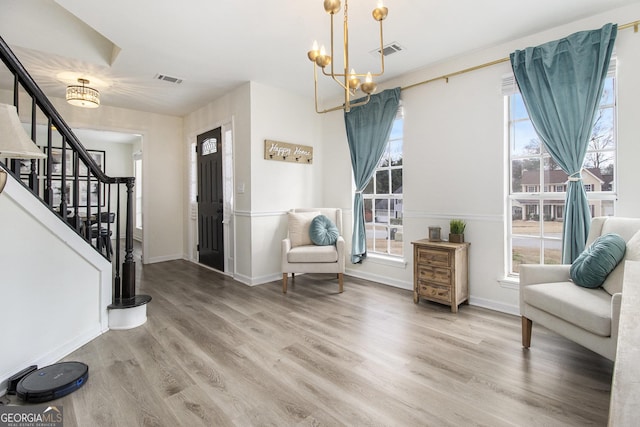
x: 72, y: 184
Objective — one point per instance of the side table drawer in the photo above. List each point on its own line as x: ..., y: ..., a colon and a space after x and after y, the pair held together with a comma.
x: 435, y: 257
x: 434, y: 274
x: 432, y: 291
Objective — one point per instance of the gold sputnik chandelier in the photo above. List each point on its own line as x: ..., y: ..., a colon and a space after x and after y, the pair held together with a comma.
x: 348, y: 80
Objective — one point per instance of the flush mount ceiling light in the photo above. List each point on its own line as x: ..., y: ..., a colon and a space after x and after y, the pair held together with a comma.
x: 348, y: 80
x: 83, y: 96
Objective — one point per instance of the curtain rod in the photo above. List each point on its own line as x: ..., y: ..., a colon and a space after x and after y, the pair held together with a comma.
x: 445, y: 77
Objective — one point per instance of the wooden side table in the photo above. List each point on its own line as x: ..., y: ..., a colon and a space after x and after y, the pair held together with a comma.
x: 441, y: 272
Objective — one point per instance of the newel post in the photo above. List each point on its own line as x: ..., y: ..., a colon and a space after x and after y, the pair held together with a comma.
x: 128, y: 310
x: 129, y: 266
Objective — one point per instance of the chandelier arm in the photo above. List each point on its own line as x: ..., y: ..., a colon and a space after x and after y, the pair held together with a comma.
x: 345, y: 55
x: 315, y: 86
x: 345, y: 87
x: 346, y: 75
x: 381, y: 55
x: 335, y: 77
x: 332, y: 56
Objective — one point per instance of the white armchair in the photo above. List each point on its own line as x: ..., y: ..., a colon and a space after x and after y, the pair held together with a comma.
x: 589, y: 317
x: 300, y: 255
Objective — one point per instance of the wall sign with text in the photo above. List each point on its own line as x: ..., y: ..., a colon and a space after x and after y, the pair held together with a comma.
x: 296, y: 153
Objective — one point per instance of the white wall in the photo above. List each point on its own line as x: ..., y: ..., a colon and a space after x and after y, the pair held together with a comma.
x: 455, y: 157
x: 278, y: 186
x: 54, y: 291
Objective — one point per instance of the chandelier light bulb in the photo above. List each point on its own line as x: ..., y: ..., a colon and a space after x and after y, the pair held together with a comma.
x: 368, y: 86
x: 313, y: 53
x: 323, y: 59
x: 354, y: 81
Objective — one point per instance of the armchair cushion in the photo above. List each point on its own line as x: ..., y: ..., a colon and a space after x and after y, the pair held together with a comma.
x: 299, y: 223
x: 323, y: 231
x: 588, y: 309
x: 594, y: 264
x: 313, y: 254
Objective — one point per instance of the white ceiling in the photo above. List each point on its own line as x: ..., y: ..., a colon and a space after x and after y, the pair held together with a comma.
x: 216, y: 45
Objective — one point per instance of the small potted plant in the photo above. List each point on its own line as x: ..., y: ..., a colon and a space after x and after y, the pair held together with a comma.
x: 456, y: 230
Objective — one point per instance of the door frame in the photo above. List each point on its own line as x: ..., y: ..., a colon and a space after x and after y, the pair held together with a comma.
x: 228, y: 223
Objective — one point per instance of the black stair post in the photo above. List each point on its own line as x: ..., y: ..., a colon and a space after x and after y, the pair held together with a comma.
x: 127, y: 292
x: 129, y: 266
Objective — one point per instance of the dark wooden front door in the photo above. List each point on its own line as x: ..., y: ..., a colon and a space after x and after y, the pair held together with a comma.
x: 210, y: 199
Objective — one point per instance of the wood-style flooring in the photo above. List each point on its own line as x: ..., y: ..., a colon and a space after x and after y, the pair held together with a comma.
x: 215, y: 352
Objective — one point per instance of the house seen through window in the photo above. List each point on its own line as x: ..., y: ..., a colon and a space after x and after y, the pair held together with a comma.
x: 383, y: 197
x: 538, y: 185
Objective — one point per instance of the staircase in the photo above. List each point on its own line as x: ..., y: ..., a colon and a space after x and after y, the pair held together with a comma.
x: 75, y: 193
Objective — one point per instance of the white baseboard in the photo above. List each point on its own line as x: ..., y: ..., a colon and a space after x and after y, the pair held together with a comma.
x: 495, y: 305
x: 255, y: 281
x: 380, y: 279
x: 164, y: 258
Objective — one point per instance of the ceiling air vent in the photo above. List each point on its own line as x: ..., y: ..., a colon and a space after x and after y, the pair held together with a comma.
x: 169, y: 79
x: 389, y: 49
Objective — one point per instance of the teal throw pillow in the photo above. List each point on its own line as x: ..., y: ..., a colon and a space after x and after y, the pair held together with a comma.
x: 323, y: 231
x: 598, y: 260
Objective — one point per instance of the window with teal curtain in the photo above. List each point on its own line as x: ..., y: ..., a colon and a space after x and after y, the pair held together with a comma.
x: 561, y: 84
x: 383, y: 198
x: 368, y: 127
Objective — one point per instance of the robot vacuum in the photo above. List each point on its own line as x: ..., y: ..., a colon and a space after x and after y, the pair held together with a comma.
x: 52, y: 382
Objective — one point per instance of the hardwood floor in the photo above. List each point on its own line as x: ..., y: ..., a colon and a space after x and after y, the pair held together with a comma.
x: 215, y: 352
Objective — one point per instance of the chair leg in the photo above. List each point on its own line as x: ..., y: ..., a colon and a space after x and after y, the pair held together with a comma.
x: 526, y: 332
x: 285, y: 276
x: 340, y: 282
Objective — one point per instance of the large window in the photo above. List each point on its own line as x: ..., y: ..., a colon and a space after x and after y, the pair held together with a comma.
x: 538, y: 185
x: 383, y: 197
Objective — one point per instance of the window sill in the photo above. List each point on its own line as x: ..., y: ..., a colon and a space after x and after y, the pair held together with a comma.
x: 386, y: 260
x: 510, y: 282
